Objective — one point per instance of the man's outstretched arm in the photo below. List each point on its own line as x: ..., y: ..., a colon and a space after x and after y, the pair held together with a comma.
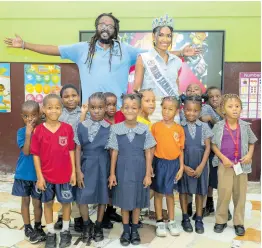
x: 18, y: 42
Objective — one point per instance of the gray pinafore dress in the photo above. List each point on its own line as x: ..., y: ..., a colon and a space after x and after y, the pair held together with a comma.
x: 130, y: 172
x: 193, y: 154
x: 95, y: 165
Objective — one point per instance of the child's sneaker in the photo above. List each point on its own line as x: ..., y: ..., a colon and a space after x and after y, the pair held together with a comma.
x: 65, y: 239
x: 50, y: 240
x: 39, y: 230
x: 173, y: 228
x: 31, y: 235
x: 161, y: 229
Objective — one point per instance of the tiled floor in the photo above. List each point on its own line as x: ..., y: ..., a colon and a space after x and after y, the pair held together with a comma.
x: 12, y: 234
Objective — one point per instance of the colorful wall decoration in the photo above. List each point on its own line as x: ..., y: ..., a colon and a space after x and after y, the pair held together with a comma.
x: 205, y: 69
x: 250, y: 94
x: 41, y: 80
x: 5, y: 92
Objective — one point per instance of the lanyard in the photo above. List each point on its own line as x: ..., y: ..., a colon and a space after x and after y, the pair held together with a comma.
x: 235, y: 141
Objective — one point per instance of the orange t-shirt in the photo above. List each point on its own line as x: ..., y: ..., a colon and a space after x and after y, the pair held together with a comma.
x: 170, y: 140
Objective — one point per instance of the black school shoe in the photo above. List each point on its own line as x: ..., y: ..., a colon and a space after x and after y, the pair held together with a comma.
x: 98, y: 233
x: 125, y: 239
x: 219, y: 228
x: 32, y: 236
x: 78, y: 224
x: 186, y: 224
x: 65, y: 239
x: 240, y: 230
x: 199, y: 225
x: 106, y: 223
x: 50, y: 240
x: 87, y: 233
x: 40, y: 232
x: 59, y: 224
x: 114, y: 216
x: 135, y: 238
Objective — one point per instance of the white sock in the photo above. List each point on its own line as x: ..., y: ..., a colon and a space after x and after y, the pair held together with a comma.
x: 50, y: 228
x: 65, y: 225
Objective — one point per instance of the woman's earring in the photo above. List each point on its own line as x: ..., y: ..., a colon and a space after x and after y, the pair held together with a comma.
x: 154, y: 42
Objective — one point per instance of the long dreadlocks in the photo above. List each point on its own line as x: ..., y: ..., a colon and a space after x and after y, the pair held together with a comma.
x: 95, y: 38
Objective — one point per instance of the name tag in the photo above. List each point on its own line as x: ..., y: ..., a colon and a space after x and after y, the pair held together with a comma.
x: 238, y: 169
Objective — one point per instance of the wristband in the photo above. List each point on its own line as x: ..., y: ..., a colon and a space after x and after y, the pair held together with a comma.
x: 23, y: 45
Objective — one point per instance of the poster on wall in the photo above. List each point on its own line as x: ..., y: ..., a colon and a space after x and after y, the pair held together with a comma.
x: 250, y: 94
x: 41, y: 80
x: 202, y: 69
x: 5, y: 91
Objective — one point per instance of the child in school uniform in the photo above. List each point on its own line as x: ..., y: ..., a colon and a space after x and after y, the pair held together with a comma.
x: 53, y: 148
x: 233, y: 144
x: 168, y: 163
x: 148, y: 106
x: 92, y: 165
x: 112, y: 116
x: 131, y: 165
x: 214, y: 100
x: 196, y: 152
x: 71, y: 115
x: 25, y: 174
x: 207, y: 115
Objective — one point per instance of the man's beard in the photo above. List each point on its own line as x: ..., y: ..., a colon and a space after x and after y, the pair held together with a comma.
x: 102, y: 40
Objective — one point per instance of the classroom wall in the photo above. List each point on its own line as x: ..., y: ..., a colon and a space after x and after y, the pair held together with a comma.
x: 60, y: 22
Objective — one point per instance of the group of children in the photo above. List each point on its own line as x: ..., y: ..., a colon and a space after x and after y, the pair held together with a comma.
x: 98, y: 155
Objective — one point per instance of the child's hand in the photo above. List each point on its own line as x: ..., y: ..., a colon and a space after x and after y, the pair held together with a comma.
x: 206, y: 118
x: 80, y: 179
x: 198, y: 171
x: 29, y: 128
x: 112, y: 181
x: 73, y: 179
x: 247, y: 159
x: 189, y: 171
x: 147, y: 181
x: 227, y: 162
x: 179, y: 174
x: 40, y: 184
x: 84, y: 108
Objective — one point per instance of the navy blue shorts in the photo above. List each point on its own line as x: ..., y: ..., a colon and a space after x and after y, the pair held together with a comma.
x: 165, y: 172
x: 63, y: 193
x: 25, y: 188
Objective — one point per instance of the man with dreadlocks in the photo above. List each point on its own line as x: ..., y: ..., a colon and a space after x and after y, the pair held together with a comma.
x: 103, y: 62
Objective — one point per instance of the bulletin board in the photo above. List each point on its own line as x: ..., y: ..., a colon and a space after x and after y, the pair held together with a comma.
x: 250, y: 94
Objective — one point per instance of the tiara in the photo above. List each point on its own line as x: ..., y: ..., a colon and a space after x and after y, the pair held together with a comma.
x: 163, y: 21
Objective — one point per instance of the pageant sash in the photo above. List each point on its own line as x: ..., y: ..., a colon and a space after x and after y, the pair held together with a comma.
x: 156, y: 73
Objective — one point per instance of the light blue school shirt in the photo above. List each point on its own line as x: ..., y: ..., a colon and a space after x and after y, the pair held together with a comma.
x: 100, y: 78
x: 169, y: 69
